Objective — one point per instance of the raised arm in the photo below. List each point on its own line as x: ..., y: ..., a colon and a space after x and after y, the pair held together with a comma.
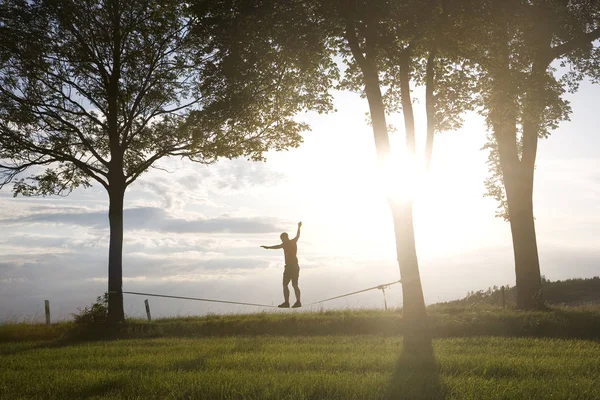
x: 277, y: 246
x: 297, y: 233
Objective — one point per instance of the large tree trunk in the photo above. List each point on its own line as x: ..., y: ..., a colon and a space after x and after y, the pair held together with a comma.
x: 414, y: 305
x: 519, y: 195
x: 520, y: 200
x: 412, y: 291
x: 402, y: 214
x: 115, y: 255
x: 518, y: 184
x: 518, y: 173
x: 527, y: 263
x: 116, y: 191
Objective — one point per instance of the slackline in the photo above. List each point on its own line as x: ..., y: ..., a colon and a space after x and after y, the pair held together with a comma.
x: 197, y: 299
x: 360, y: 291
x: 381, y: 287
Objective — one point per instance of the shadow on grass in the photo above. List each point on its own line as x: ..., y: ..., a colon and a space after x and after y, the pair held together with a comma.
x: 196, y: 364
x: 32, y: 346
x: 100, y: 389
x: 26, y: 346
x: 416, y: 375
x: 201, y: 361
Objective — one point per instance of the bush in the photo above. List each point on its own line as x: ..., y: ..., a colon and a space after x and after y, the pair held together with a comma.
x: 93, y: 319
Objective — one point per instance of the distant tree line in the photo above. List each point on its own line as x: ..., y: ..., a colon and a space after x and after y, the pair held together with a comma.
x: 579, y: 291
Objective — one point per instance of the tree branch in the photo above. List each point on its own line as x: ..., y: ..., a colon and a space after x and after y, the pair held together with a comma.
x: 58, y: 156
x: 430, y: 106
x: 568, y: 47
x: 350, y: 35
x: 407, y: 108
x: 69, y: 82
x: 155, y: 113
x: 79, y: 134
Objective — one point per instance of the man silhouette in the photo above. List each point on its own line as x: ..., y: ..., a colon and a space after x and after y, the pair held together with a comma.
x: 291, y: 271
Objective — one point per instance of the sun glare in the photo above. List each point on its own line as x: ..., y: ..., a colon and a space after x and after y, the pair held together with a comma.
x: 346, y: 194
x: 402, y: 177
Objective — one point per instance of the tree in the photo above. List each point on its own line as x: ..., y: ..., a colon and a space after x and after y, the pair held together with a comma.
x: 100, y: 90
x: 515, y: 43
x: 388, y: 47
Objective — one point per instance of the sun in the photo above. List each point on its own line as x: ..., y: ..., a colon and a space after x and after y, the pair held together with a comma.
x: 344, y: 195
x: 402, y: 177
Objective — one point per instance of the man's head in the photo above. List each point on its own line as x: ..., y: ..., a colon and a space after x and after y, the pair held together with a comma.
x: 284, y: 237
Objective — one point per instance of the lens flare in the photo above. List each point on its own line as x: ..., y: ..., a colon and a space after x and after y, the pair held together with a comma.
x: 402, y: 177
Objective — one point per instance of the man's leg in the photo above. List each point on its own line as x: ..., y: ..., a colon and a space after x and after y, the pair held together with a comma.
x: 286, y: 290
x: 295, y: 278
x: 296, y: 290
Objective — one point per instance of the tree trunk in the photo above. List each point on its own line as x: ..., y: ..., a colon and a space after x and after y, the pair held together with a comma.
x: 116, y: 190
x: 430, y: 106
x: 517, y: 174
x: 522, y: 226
x: 402, y: 211
x: 518, y: 184
x: 414, y: 305
x: 406, y: 100
x: 115, y: 255
x: 406, y: 251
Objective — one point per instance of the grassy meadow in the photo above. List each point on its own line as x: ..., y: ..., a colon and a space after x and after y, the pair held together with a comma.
x: 328, y: 355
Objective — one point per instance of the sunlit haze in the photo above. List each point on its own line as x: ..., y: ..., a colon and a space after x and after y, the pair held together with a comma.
x: 196, y: 230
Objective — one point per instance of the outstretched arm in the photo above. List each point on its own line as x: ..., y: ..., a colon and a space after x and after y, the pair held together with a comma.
x: 277, y: 246
x: 298, y: 233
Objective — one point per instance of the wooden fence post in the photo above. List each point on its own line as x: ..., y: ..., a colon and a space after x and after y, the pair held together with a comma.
x: 47, y: 307
x: 148, y: 310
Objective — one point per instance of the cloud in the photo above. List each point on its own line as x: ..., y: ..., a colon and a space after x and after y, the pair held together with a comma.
x: 154, y: 219
x: 196, y: 185
x: 241, y: 174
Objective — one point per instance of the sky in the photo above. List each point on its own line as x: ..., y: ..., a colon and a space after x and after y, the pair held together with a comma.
x: 196, y: 230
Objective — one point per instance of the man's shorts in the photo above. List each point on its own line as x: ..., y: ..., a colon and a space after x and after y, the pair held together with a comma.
x: 291, y: 273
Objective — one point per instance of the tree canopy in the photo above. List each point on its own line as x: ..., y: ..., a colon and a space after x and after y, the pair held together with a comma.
x: 100, y: 90
x: 86, y: 83
x: 518, y: 46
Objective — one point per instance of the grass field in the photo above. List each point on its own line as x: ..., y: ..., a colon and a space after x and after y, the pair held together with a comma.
x: 191, y: 360
x: 332, y: 367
